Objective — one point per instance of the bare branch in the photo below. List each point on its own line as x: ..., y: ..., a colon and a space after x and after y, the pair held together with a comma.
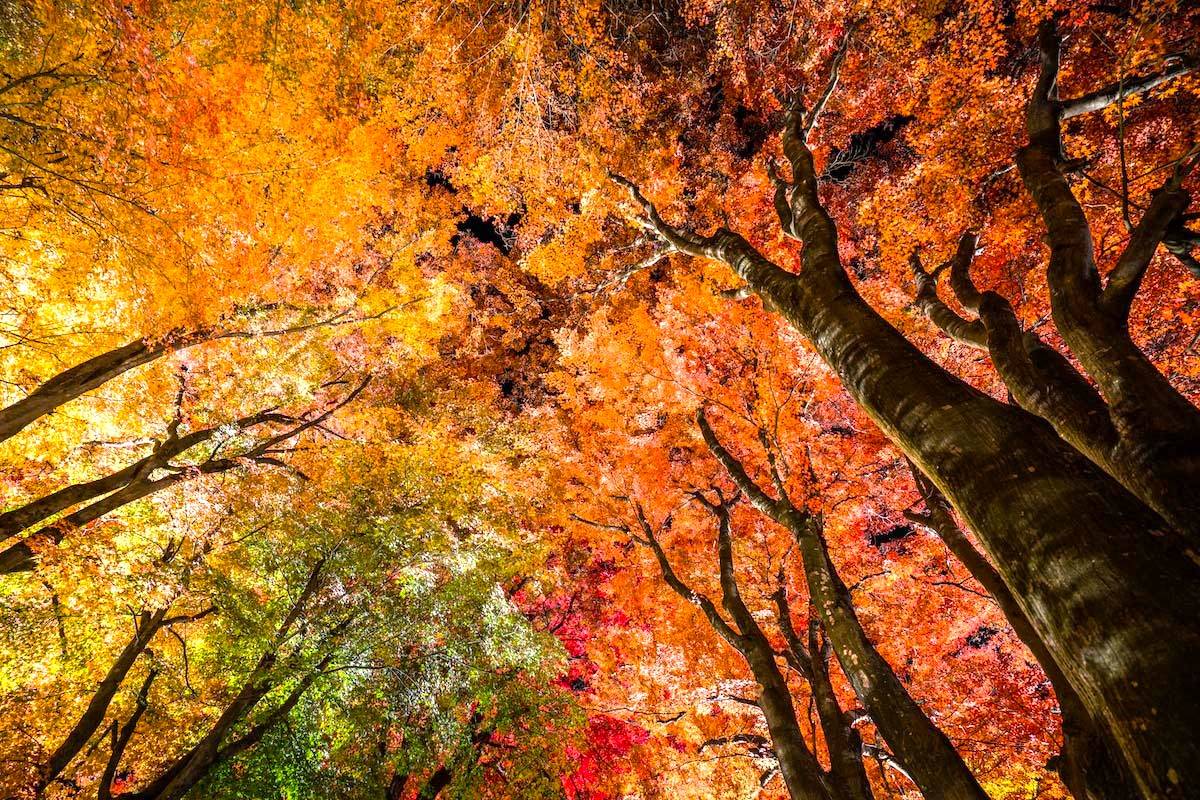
x: 1178, y: 64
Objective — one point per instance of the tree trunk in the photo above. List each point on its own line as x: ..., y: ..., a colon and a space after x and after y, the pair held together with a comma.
x: 919, y: 745
x: 148, y: 624
x: 121, y: 737
x: 1087, y: 764
x: 81, y: 378
x: 1098, y: 573
x: 801, y: 772
x: 19, y: 519
x: 849, y: 774
x: 438, y: 781
x: 396, y: 786
x: 19, y: 557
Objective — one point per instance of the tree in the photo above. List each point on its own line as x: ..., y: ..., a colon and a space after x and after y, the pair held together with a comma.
x: 969, y: 445
x: 137, y: 480
x: 802, y: 773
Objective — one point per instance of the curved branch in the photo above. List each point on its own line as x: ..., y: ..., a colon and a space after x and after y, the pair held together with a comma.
x: 958, y: 328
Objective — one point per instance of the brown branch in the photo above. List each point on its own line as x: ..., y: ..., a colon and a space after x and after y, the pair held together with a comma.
x: 1179, y: 64
x: 958, y: 328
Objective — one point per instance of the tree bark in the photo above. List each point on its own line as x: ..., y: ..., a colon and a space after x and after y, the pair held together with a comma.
x: 396, y: 786
x: 81, y: 378
x: 121, y: 737
x: 98, y: 370
x: 1097, y: 572
x: 19, y: 557
x: 19, y: 519
x: 1088, y: 763
x: 177, y: 779
x: 1158, y: 429
x: 920, y: 746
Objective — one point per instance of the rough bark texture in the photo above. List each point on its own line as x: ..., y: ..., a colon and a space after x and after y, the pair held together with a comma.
x: 1158, y: 429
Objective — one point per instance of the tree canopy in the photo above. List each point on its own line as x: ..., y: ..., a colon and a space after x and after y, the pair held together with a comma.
x: 599, y: 400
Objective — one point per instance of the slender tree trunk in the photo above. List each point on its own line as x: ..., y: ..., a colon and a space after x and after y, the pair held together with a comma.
x: 77, y: 380
x: 208, y: 752
x: 396, y: 786
x: 801, y: 772
x: 19, y: 557
x: 148, y: 624
x: 920, y: 746
x: 98, y: 370
x: 849, y: 774
x: 121, y: 737
x: 19, y: 519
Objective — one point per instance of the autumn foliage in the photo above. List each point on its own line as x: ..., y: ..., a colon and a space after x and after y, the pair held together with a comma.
x: 599, y: 400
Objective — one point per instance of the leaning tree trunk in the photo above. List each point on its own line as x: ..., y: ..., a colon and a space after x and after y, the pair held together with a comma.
x: 801, y: 772
x: 843, y: 742
x: 1088, y: 763
x: 1137, y: 427
x: 178, y: 778
x: 137, y: 481
x: 1097, y: 572
x: 920, y: 746
x: 82, y: 378
x: 98, y: 370
x: 147, y: 625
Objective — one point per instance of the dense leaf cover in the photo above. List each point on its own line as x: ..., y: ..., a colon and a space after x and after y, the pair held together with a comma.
x: 350, y: 443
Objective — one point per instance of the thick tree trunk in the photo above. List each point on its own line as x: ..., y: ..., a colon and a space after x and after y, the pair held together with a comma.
x: 1158, y: 430
x: 1088, y: 763
x: 1145, y: 461
x: 1097, y: 572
